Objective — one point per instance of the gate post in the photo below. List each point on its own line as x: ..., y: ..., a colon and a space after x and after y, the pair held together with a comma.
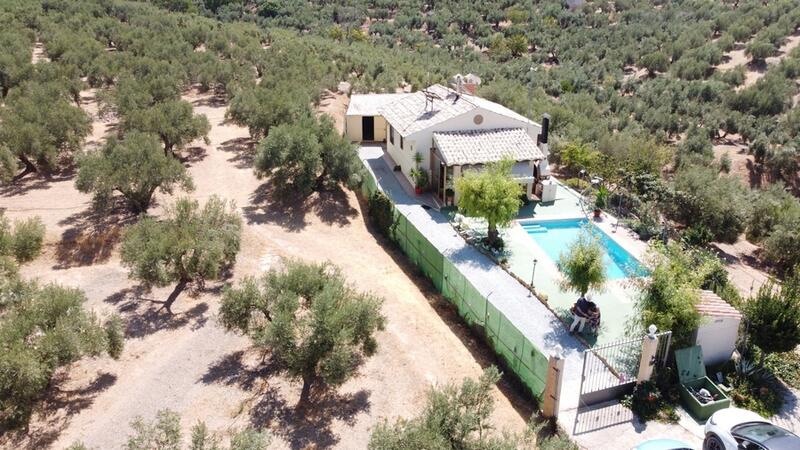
x: 552, y: 387
x: 647, y: 360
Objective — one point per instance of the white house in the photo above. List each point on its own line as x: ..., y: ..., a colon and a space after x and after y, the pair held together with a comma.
x: 452, y: 130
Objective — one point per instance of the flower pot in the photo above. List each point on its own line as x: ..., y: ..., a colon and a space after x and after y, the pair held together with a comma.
x: 597, y: 212
x: 418, y: 190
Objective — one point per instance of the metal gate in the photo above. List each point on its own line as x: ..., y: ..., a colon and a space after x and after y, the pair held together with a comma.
x: 610, y: 371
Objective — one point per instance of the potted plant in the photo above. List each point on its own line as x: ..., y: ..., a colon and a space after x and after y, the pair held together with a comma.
x: 420, y: 180
x: 600, y: 201
x: 449, y: 192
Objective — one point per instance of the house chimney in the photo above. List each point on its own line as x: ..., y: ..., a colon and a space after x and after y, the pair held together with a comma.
x: 545, y: 129
x: 471, y: 83
x: 541, y: 140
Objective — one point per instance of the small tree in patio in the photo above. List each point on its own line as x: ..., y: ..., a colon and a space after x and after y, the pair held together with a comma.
x: 315, y: 324
x: 491, y: 194
x: 582, y: 264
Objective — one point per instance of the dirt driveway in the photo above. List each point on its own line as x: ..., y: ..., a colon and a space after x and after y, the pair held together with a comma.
x: 187, y: 362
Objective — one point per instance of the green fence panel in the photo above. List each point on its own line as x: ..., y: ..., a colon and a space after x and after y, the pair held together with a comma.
x: 474, y: 301
x: 520, y: 355
x: 493, y: 317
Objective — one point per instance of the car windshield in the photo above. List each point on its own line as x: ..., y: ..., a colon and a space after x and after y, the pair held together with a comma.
x: 759, y: 431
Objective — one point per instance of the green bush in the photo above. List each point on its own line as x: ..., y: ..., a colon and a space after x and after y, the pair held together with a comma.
x: 667, y: 298
x: 647, y: 223
x: 24, y: 242
x: 718, y: 203
x: 648, y: 403
x: 772, y: 206
x: 782, y: 246
x: 785, y: 366
x: 698, y: 236
x: 772, y: 317
x: 381, y: 212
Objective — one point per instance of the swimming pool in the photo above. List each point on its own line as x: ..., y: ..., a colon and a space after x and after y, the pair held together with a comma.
x: 555, y: 236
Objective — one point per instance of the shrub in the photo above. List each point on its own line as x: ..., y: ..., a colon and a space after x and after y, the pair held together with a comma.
x: 782, y: 246
x: 772, y: 317
x: 647, y: 223
x: 648, y: 403
x: 27, y: 239
x: 164, y: 433
x: 698, y: 236
x: 381, y: 212
x: 772, y: 206
x: 719, y: 203
x: 668, y: 296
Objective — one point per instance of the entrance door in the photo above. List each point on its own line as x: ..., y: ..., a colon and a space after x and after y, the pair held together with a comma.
x: 367, y: 128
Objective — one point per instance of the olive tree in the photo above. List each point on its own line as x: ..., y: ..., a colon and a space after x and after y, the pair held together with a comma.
x: 191, y: 244
x: 136, y: 167
x: 37, y: 124
x: 704, y: 198
x: 15, y: 60
x: 315, y: 324
x: 43, y: 328
x: 173, y: 121
x: 306, y: 155
x: 490, y: 193
x: 260, y: 109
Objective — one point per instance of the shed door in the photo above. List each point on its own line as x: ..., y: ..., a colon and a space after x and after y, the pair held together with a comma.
x: 367, y: 128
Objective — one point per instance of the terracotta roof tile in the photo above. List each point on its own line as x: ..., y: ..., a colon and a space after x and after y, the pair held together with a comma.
x: 482, y: 146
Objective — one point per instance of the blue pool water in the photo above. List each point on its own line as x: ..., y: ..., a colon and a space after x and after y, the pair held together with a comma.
x: 555, y: 236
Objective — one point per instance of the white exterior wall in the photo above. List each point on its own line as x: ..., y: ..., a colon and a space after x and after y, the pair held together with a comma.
x: 352, y: 126
x: 717, y: 336
x: 423, y: 140
x: 404, y: 156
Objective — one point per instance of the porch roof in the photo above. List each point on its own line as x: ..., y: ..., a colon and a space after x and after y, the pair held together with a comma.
x: 484, y: 146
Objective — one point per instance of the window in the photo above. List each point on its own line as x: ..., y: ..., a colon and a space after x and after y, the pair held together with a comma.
x: 391, y: 134
x: 401, y: 142
x: 478, y: 119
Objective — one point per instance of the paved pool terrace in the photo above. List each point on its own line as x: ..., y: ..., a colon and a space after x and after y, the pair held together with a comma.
x: 605, y: 426
x: 616, y: 302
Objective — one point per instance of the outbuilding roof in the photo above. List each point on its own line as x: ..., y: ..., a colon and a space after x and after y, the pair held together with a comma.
x: 711, y: 305
x: 482, y: 146
x: 369, y: 104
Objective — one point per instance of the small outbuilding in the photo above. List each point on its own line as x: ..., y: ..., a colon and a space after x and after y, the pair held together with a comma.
x: 363, y: 122
x: 718, y: 330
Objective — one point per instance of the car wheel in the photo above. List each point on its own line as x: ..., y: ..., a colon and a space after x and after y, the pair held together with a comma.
x: 712, y: 442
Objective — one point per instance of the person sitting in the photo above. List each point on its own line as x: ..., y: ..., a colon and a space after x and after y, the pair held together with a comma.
x: 580, y: 313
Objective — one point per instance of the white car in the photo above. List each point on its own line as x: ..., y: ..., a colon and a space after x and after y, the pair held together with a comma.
x: 739, y: 429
